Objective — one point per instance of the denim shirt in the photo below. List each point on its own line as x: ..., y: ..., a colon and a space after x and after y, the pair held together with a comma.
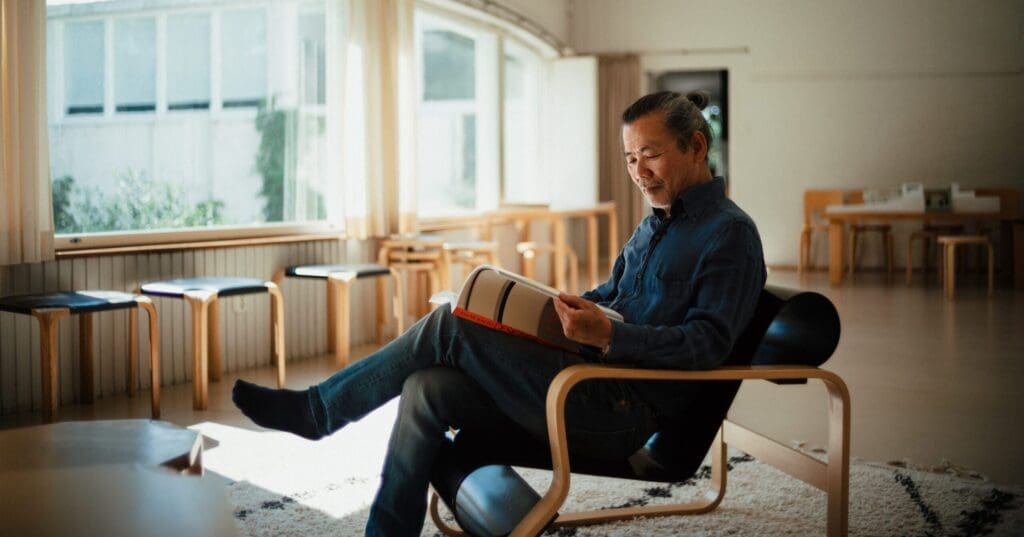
x: 686, y: 282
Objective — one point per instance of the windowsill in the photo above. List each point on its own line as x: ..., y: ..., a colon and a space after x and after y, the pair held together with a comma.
x: 95, y: 244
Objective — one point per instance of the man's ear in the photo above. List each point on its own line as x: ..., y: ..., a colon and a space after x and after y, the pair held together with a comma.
x: 700, y: 146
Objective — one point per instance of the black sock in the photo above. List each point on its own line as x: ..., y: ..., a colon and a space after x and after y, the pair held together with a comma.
x: 284, y: 410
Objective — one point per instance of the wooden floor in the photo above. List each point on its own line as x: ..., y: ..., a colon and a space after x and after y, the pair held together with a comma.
x: 930, y: 380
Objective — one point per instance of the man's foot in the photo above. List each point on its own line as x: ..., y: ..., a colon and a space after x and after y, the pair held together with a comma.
x: 284, y: 410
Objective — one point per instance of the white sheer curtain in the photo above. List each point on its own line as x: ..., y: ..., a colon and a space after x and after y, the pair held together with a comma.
x: 372, y: 95
x: 26, y: 206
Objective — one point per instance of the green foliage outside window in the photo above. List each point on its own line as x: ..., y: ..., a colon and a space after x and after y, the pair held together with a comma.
x: 136, y: 203
x: 271, y: 123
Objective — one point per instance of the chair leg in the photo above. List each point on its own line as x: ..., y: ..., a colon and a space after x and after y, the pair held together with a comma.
x: 380, y: 286
x: 853, y: 250
x: 86, y: 360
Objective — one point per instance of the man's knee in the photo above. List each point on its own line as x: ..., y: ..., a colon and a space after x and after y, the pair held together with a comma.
x: 427, y: 388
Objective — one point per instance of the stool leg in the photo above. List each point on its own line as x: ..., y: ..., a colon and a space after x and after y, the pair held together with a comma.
x: 132, y: 371
x: 213, y: 338
x: 199, y: 302
x: 154, y: 354
x: 332, y: 312
x: 991, y: 267
x: 48, y: 318
x: 853, y: 250
x: 910, y: 263
x: 591, y: 250
x: 86, y: 360
x: 889, y: 255
x: 277, y: 329
x: 950, y: 271
x: 380, y: 286
x: 399, y: 303
x: 340, y: 290
x: 434, y: 282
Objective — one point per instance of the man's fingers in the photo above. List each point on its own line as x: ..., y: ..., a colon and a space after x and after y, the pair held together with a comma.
x: 571, y: 300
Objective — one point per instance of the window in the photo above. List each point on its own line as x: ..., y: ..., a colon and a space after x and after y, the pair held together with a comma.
x: 477, y: 141
x: 83, y: 67
x: 188, y: 62
x: 522, y: 182
x: 135, y: 65
x: 447, y: 120
x: 243, y: 58
x: 167, y: 118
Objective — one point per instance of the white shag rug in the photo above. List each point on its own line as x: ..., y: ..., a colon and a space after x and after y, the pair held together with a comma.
x: 283, y: 485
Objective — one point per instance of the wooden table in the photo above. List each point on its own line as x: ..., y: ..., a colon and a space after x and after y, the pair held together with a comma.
x: 117, y: 477
x: 558, y: 219
x: 837, y: 220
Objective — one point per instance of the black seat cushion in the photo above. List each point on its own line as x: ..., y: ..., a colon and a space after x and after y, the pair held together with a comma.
x: 789, y: 327
x: 223, y: 286
x: 76, y: 301
x: 361, y: 270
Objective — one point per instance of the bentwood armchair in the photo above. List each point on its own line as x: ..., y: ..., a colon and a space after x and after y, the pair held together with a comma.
x: 791, y: 334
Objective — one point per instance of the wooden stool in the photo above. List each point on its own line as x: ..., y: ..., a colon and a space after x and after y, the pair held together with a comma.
x: 339, y: 281
x: 469, y: 253
x: 420, y: 256
x: 948, y: 245
x: 203, y: 295
x: 927, y: 234
x: 529, y: 251
x: 49, y: 308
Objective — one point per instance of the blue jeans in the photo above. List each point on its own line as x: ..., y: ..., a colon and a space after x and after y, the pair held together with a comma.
x: 455, y: 373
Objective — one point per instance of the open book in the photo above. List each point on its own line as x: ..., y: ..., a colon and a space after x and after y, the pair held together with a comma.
x: 516, y: 305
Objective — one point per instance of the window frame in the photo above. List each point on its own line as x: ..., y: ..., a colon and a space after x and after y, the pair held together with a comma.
x: 476, y: 23
x: 109, y: 115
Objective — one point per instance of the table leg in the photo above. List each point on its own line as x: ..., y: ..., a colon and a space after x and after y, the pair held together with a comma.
x: 591, y: 250
x: 835, y: 252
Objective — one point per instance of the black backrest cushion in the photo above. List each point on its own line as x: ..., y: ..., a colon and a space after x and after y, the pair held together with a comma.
x: 788, y: 327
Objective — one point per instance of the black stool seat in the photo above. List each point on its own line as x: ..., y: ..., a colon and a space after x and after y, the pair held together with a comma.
x: 361, y: 270
x: 77, y: 302
x: 223, y: 286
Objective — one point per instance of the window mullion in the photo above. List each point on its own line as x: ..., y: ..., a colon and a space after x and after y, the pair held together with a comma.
x: 215, y: 62
x: 161, y: 64
x: 109, y: 67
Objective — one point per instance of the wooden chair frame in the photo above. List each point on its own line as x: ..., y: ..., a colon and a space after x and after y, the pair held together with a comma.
x: 832, y: 476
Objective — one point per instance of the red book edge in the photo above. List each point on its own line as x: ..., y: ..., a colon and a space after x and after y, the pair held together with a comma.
x: 495, y: 325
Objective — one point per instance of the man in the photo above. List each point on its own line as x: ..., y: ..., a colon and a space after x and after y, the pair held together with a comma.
x: 686, y: 283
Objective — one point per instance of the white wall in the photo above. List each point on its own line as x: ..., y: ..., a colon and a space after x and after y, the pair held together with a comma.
x: 552, y: 15
x: 839, y: 94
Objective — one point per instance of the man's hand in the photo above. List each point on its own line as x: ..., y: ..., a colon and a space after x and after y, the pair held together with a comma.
x: 583, y: 321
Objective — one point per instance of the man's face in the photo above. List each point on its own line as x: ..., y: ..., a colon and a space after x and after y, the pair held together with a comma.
x: 656, y: 164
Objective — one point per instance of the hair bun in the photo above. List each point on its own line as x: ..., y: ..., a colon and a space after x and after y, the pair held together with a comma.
x: 698, y: 98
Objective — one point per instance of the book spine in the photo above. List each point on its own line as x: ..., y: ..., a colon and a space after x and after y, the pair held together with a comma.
x: 495, y: 325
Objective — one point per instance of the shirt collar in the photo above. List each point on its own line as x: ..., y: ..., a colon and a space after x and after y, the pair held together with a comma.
x: 695, y: 200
